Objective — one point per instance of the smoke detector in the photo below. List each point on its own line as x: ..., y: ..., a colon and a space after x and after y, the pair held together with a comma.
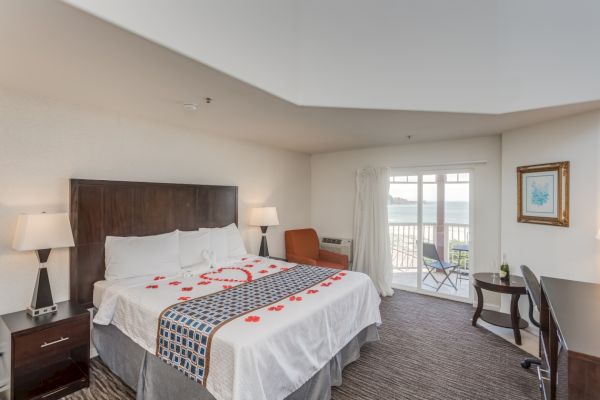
x: 191, y: 107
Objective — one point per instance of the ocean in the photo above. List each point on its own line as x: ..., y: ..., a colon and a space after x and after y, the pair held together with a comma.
x: 457, y: 212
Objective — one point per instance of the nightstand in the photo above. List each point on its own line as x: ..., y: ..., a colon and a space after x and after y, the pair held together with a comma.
x: 50, y: 354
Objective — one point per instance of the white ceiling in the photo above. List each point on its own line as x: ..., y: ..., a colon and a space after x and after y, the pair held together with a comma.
x: 492, y: 56
x: 54, y: 50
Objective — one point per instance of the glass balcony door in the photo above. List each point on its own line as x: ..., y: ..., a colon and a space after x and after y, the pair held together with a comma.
x: 431, y: 211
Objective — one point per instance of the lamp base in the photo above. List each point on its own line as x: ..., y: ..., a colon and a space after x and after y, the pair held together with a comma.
x: 41, y: 301
x: 36, y: 312
x: 264, y: 248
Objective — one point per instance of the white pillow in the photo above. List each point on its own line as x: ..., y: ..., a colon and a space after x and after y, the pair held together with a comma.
x: 235, y: 244
x: 218, y: 242
x: 194, y: 250
x: 127, y: 257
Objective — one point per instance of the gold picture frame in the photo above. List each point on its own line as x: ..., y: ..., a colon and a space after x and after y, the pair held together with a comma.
x: 543, y: 194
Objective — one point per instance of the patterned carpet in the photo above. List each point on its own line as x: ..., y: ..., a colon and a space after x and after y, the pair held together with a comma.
x: 428, y: 350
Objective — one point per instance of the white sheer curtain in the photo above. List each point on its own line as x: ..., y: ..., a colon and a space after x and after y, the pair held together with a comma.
x: 372, y: 253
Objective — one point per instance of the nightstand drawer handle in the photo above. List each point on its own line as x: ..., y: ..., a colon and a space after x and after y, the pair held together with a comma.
x: 62, y: 339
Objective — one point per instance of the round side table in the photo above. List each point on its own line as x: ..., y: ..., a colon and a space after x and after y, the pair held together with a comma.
x: 515, y: 286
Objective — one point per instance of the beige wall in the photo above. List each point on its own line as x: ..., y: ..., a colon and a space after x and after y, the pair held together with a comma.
x: 43, y: 143
x: 333, y: 186
x: 573, y: 252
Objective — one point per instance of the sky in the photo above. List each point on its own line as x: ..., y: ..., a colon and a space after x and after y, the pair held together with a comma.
x: 408, y: 191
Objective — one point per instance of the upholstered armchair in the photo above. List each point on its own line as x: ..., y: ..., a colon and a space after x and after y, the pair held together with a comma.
x: 302, y: 247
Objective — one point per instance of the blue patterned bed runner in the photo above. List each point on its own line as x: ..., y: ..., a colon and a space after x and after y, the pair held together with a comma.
x: 185, y: 329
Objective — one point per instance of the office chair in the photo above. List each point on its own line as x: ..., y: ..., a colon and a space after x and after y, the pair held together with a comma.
x: 534, y: 293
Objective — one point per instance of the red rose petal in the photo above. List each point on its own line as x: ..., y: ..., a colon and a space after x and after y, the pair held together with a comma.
x: 203, y: 283
x: 312, y: 291
x: 152, y: 287
x: 272, y: 266
x: 187, y: 289
x: 284, y: 268
x: 263, y: 271
x: 257, y: 260
x: 227, y: 286
x: 174, y: 283
x: 158, y: 278
x: 325, y: 284
x: 184, y: 298
x: 252, y: 318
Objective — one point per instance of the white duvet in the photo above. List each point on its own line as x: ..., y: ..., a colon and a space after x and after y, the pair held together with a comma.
x: 267, y: 356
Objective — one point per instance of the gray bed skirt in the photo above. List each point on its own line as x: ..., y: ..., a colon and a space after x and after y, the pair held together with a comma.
x: 154, y: 380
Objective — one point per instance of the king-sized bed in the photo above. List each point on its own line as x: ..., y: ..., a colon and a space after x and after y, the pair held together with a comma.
x: 246, y: 328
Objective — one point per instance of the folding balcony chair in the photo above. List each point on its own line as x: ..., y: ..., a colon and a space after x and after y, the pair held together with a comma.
x: 433, y: 263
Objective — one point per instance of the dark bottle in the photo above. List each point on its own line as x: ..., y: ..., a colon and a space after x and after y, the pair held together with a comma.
x: 504, y: 272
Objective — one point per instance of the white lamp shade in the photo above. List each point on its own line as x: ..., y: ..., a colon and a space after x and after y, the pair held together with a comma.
x: 43, y: 231
x: 264, y: 216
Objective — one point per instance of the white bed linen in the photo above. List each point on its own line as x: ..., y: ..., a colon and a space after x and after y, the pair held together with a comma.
x: 268, y: 359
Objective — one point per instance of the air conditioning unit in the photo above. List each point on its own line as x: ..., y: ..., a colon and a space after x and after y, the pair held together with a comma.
x: 336, y: 245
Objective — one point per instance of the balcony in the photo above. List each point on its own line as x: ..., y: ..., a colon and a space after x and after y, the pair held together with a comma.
x: 404, y: 244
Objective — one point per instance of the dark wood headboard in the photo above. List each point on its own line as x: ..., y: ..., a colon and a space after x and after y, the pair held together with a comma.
x: 115, y: 208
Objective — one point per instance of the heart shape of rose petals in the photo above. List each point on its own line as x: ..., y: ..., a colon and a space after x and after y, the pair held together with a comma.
x: 158, y: 278
x: 175, y: 283
x: 252, y: 318
x: 187, y: 289
x: 326, y: 284
x: 184, y: 298
x: 312, y: 291
x: 152, y: 287
x: 220, y: 277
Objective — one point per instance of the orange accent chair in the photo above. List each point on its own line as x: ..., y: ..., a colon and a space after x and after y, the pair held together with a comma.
x: 302, y: 247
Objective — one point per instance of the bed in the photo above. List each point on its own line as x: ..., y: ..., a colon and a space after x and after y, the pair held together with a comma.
x: 258, y: 328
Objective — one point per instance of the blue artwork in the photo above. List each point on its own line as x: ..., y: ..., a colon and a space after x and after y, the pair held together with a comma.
x: 543, y: 191
x: 539, y: 193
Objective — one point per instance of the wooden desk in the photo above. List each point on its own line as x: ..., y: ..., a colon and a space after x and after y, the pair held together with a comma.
x: 515, y: 286
x: 569, y: 340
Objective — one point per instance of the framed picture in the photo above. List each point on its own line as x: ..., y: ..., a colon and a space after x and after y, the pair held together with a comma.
x: 543, y: 194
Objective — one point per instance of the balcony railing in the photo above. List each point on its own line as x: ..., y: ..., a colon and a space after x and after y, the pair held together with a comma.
x: 404, y: 241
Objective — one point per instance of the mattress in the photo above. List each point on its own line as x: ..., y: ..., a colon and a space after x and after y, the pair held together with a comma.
x: 268, y: 357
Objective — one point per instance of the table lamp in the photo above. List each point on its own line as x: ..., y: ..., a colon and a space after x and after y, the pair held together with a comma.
x: 42, y: 233
x: 264, y: 217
